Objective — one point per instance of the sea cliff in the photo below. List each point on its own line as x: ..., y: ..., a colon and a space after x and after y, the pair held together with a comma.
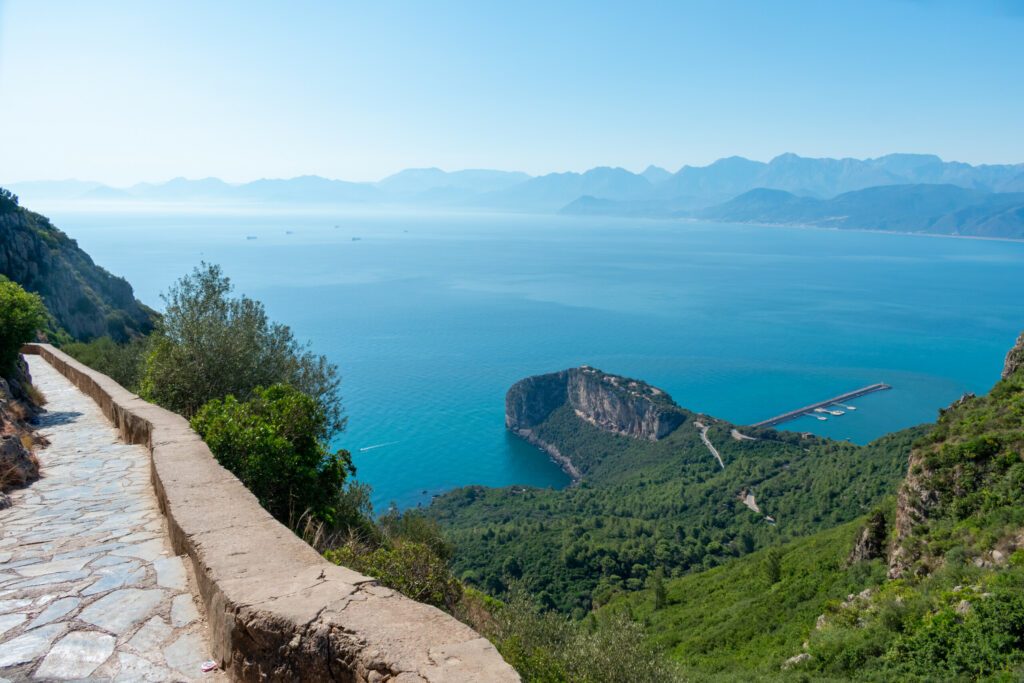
x: 84, y: 299
x: 614, y: 404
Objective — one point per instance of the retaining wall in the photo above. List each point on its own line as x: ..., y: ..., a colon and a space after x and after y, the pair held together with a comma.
x: 277, y: 610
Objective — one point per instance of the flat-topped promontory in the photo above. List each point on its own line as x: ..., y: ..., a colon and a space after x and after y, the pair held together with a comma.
x: 612, y: 403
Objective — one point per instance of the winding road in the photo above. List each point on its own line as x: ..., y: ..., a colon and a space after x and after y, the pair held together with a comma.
x: 707, y: 442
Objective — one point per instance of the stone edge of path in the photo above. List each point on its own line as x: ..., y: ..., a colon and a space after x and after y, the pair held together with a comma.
x: 277, y: 610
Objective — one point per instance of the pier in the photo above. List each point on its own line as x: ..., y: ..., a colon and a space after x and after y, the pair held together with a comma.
x: 842, y: 398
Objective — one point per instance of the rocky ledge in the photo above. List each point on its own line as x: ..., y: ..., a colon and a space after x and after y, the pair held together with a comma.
x: 614, y: 404
x: 18, y: 465
x: 1015, y: 358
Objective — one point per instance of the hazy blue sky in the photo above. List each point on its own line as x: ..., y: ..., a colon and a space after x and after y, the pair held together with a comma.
x: 128, y: 91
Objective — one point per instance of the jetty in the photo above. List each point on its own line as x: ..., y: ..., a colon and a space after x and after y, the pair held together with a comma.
x: 835, y: 400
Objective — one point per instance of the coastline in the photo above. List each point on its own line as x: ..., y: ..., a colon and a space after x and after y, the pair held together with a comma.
x: 876, y: 231
x: 556, y: 456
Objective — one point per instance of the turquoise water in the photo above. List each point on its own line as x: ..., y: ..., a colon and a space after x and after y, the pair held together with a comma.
x: 432, y: 317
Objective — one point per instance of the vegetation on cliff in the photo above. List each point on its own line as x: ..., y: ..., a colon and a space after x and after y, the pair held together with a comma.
x: 84, y: 300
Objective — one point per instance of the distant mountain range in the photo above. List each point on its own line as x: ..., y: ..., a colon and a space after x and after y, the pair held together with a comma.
x: 906, y: 192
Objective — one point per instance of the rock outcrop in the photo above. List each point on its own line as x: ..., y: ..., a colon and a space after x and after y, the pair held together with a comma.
x: 18, y: 465
x: 614, y: 404
x: 1015, y: 358
x: 609, y: 402
x: 84, y: 299
x: 870, y: 543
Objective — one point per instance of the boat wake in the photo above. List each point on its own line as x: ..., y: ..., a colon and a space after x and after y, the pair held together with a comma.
x: 379, y: 445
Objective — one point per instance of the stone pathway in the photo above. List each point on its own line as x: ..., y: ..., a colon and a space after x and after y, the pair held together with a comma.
x: 89, y: 586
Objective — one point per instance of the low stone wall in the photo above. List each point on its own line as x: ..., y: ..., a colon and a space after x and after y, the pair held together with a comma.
x: 277, y: 610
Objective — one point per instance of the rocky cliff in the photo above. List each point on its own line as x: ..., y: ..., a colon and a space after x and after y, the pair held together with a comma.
x: 609, y: 402
x: 967, y: 464
x: 85, y: 300
x: 1015, y: 358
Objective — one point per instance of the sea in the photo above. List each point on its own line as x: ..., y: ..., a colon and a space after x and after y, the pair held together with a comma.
x: 432, y: 316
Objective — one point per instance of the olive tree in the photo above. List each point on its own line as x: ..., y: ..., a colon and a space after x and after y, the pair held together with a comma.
x: 211, y: 344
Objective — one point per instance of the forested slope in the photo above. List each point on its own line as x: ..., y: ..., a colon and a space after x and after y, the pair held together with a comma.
x: 668, y: 505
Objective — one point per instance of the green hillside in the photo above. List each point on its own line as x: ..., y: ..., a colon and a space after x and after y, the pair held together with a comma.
x: 941, y: 600
x: 668, y: 505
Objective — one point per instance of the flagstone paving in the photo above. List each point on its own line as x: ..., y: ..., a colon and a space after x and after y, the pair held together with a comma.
x: 89, y: 586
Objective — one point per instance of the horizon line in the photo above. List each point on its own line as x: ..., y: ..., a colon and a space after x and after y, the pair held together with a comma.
x: 119, y: 186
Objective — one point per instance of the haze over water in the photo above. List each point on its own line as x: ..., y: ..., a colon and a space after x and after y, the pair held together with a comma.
x: 432, y: 317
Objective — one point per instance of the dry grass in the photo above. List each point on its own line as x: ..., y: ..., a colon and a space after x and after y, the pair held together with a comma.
x: 18, y: 410
x: 36, y: 395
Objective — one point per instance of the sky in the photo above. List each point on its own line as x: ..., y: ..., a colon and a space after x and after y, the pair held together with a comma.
x: 122, y: 92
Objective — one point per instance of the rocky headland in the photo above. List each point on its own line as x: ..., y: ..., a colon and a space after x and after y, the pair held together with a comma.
x: 614, y: 404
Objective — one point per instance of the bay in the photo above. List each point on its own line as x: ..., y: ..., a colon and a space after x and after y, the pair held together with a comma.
x: 432, y: 316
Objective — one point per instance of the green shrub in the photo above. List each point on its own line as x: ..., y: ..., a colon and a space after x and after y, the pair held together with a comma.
x: 21, y: 315
x: 276, y: 444
x: 414, y: 569
x: 986, y: 638
x: 124, y: 363
x: 544, y: 646
x: 210, y: 345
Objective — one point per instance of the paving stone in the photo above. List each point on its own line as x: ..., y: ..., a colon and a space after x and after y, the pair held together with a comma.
x: 134, y: 668
x: 56, y: 610
x: 183, y: 610
x: 54, y: 567
x: 118, y: 576
x: 151, y: 637
x: 186, y: 654
x: 122, y: 609
x: 147, y: 550
x: 170, y: 573
x: 108, y: 561
x: 9, y: 621
x: 76, y: 655
x: 29, y: 645
x: 8, y: 606
x: 50, y: 579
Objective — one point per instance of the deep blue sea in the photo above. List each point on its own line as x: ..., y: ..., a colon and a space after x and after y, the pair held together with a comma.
x: 432, y: 317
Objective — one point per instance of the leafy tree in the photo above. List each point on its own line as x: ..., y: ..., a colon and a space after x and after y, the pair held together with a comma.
x: 211, y: 344
x: 656, y: 583
x: 276, y: 444
x: 8, y: 201
x: 772, y: 566
x: 21, y: 315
